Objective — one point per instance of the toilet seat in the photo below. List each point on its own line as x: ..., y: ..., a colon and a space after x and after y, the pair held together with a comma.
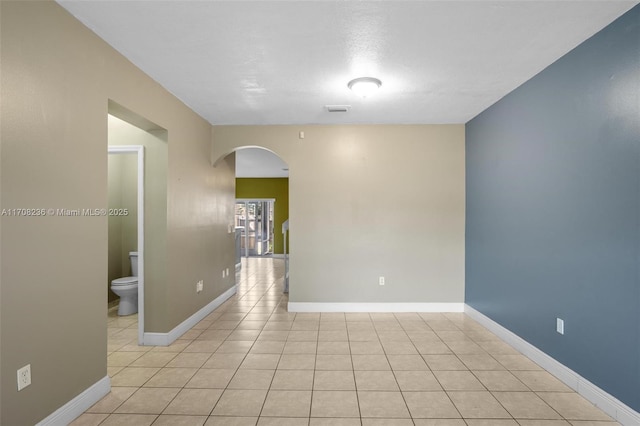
x: 124, y: 281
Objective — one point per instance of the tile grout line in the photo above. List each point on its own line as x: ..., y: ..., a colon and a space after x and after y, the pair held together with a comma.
x: 353, y: 368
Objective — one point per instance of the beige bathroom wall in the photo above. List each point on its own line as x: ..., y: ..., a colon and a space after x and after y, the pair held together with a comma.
x: 114, y: 223
x: 123, y: 195
x: 369, y: 201
x: 130, y: 203
x: 56, y: 80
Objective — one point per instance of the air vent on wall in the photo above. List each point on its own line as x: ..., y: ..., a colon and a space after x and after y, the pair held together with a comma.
x: 337, y: 108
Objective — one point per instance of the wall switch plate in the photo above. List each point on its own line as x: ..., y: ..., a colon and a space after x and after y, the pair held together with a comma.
x: 381, y: 280
x: 227, y: 271
x: 560, y: 325
x: 24, y: 377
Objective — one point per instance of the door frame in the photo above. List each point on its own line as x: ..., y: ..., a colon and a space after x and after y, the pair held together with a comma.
x: 139, y: 151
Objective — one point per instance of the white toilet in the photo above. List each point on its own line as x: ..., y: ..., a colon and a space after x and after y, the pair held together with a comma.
x: 127, y: 288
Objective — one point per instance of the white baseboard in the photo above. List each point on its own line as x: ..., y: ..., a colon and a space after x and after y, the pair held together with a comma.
x: 78, y: 405
x: 621, y: 412
x: 165, y: 339
x: 375, y: 307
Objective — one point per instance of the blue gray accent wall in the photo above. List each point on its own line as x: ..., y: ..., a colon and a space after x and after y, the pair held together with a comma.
x: 553, y: 210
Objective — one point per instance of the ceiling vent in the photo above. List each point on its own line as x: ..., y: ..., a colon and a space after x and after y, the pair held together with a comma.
x: 338, y: 108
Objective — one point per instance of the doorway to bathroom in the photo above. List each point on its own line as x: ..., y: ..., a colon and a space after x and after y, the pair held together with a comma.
x: 130, y: 134
x: 126, y: 231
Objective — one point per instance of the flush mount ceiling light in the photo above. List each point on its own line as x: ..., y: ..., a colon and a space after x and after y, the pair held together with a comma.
x: 364, y: 86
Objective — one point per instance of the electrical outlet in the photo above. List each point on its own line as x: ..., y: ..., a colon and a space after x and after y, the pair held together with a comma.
x: 199, y: 286
x: 24, y: 377
x: 223, y: 274
x: 560, y: 325
x: 227, y: 271
x: 381, y: 280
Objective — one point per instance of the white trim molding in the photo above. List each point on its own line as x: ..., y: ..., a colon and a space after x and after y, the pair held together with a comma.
x: 165, y: 339
x: 375, y: 307
x: 621, y: 412
x: 78, y: 405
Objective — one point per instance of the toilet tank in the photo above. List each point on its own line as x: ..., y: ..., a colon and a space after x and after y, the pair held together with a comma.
x: 133, y: 257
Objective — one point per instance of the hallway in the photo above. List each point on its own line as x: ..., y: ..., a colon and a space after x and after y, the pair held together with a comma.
x: 251, y: 362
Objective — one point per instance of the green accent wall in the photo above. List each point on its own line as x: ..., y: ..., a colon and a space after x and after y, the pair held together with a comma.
x: 277, y: 188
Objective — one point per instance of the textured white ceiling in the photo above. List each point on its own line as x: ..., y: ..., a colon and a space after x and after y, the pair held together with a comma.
x: 267, y: 62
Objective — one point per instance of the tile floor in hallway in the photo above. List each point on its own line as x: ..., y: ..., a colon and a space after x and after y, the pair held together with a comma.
x: 251, y: 362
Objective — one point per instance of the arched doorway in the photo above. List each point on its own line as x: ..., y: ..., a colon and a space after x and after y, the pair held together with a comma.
x: 261, y: 206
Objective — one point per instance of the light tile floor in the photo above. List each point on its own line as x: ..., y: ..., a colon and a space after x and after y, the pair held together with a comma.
x: 251, y: 362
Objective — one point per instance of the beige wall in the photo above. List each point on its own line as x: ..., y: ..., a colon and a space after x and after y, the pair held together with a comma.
x: 199, y: 244
x: 56, y: 80
x: 369, y: 201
